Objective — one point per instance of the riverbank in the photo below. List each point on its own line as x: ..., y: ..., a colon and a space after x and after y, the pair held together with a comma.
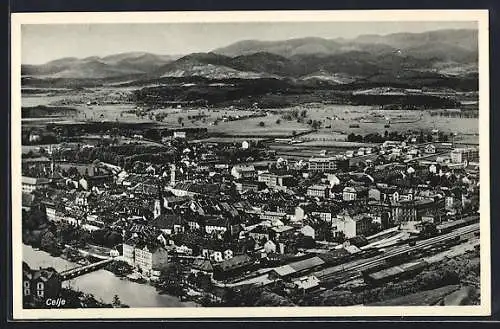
x: 104, y: 284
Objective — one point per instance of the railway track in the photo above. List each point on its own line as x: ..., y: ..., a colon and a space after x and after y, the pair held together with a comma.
x: 353, y: 268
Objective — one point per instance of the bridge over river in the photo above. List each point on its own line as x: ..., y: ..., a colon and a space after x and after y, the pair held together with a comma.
x: 74, y: 272
x: 103, y: 261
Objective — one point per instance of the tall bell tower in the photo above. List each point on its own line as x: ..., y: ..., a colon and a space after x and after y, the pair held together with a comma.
x: 172, y: 174
x: 158, y: 208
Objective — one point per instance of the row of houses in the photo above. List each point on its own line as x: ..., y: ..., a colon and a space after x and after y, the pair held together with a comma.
x: 245, y: 176
x: 74, y: 217
x: 401, y: 211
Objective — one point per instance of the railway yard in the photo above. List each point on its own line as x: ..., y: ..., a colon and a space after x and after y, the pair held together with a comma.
x: 376, y: 265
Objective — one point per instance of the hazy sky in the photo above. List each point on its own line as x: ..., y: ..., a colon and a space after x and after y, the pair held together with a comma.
x: 43, y: 43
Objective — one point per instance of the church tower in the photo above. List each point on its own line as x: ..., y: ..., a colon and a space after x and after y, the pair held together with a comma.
x: 172, y: 174
x: 158, y: 208
x: 52, y: 166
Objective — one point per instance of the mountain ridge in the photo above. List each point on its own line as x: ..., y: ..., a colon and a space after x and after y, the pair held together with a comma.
x: 310, y: 57
x: 465, y: 37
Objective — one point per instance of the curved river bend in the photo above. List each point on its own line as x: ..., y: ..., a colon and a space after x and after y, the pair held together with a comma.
x: 103, y: 284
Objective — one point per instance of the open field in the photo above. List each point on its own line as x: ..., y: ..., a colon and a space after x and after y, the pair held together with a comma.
x: 197, y: 117
x: 121, y: 140
x: 469, y: 139
x: 340, y: 117
x: 251, y: 127
x: 43, y: 99
x: 301, y: 151
x: 33, y: 148
x: 341, y: 144
x: 36, y: 148
x: 107, y: 112
x: 41, y: 122
x: 335, y: 119
x: 66, y: 96
x: 323, y: 135
x: 227, y: 140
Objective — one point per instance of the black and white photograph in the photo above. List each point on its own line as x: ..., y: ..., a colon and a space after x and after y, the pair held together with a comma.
x: 250, y: 164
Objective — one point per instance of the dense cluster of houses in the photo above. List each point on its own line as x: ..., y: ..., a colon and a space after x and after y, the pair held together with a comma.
x: 229, y: 217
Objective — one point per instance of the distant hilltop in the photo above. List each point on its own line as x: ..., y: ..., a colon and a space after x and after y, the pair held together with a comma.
x: 445, y: 52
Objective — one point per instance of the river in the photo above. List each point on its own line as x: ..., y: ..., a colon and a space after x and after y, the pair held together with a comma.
x: 103, y: 284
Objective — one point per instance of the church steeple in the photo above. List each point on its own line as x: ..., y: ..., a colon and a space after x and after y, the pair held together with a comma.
x: 52, y: 165
x: 160, y: 190
x: 158, y: 210
x: 172, y: 174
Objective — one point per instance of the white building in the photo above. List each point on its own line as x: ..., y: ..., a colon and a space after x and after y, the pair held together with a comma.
x: 320, y: 191
x: 307, y: 282
x: 469, y: 154
x: 430, y: 149
x: 323, y: 164
x: 308, y: 231
x: 242, y: 171
x: 270, y: 247
x: 356, y: 225
x: 274, y: 181
x: 352, y: 226
x: 30, y: 184
x: 333, y: 179
x: 34, y: 137
x: 215, y: 226
x: 179, y: 134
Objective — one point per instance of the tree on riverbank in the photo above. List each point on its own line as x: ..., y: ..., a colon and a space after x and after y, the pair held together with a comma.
x: 119, y: 268
x: 116, y: 301
x: 35, y: 218
x: 48, y: 243
x: 170, y: 280
x: 38, y: 232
